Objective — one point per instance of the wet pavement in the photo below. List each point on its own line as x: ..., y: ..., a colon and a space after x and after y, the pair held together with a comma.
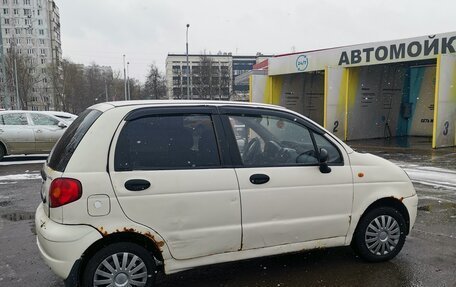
x: 427, y: 259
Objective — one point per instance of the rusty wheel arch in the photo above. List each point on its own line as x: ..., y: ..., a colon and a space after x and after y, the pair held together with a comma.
x: 124, y: 236
x: 393, y: 202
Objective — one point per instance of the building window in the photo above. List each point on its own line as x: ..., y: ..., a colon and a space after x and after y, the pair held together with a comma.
x: 40, y: 22
x: 16, y: 11
x: 26, y: 2
x: 38, y: 12
x: 28, y: 21
x: 6, y: 31
x: 5, y: 2
x: 27, y: 12
x: 29, y: 41
x: 42, y: 41
x: 16, y: 2
x: 5, y: 11
x: 18, y: 31
x: 41, y: 31
x: 43, y: 61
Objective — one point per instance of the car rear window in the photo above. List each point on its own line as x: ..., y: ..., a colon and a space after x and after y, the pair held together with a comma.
x: 63, y: 150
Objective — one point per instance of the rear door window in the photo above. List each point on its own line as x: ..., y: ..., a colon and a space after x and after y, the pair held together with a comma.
x: 167, y: 142
x: 14, y: 119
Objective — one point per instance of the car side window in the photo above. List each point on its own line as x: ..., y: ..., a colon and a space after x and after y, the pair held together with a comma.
x: 272, y: 141
x: 44, y: 120
x: 334, y: 155
x: 14, y: 119
x: 167, y: 142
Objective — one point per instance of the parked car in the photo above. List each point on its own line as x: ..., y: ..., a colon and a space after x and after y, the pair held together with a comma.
x: 131, y: 184
x: 28, y: 132
x: 63, y: 116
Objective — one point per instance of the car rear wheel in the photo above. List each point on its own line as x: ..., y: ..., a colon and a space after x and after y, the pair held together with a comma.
x: 120, y: 264
x: 2, y: 151
x: 380, y: 234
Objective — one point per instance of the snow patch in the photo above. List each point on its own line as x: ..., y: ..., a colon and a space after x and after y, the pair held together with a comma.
x: 22, y: 162
x: 431, y: 176
x: 23, y: 176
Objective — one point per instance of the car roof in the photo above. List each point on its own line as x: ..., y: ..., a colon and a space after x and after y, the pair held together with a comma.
x: 105, y: 106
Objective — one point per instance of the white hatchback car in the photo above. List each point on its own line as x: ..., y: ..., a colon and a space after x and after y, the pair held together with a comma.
x: 131, y: 184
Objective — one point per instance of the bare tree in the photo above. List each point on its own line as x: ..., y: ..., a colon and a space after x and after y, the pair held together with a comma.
x: 73, y: 87
x: 27, y: 77
x: 202, y: 77
x: 56, y: 74
x: 211, y: 79
x: 155, y: 86
x: 225, y: 82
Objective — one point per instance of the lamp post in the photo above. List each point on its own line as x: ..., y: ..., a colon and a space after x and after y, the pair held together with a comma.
x: 188, y: 68
x: 128, y: 82
x: 125, y: 78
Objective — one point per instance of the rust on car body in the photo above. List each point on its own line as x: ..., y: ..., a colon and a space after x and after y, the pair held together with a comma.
x: 149, y: 235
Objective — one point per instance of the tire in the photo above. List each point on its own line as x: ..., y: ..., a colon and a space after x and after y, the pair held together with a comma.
x: 102, y: 266
x: 380, y: 234
x: 2, y: 151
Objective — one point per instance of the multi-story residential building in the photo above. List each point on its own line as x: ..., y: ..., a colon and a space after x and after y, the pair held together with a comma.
x: 30, y: 37
x: 209, y: 77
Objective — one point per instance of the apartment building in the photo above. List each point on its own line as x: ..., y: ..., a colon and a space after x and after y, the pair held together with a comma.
x: 210, y: 77
x: 30, y: 34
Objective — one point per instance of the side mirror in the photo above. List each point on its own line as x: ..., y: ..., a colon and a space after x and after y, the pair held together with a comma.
x: 62, y: 125
x: 323, y: 158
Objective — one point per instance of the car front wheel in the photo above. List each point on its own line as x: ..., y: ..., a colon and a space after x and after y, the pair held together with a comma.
x: 120, y: 264
x: 380, y: 234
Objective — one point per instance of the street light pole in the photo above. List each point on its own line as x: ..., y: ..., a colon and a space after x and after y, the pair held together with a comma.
x: 18, y: 100
x: 106, y: 90
x: 125, y: 78
x: 128, y: 82
x: 188, y: 68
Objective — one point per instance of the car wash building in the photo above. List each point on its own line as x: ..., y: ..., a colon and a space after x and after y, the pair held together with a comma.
x: 403, y: 88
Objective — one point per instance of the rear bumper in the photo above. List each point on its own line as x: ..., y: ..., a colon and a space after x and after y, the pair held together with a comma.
x: 411, y: 203
x: 62, y: 245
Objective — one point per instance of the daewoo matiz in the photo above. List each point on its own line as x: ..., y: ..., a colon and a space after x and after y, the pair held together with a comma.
x: 133, y: 186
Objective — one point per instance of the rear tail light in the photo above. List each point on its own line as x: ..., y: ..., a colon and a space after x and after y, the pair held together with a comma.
x: 64, y: 191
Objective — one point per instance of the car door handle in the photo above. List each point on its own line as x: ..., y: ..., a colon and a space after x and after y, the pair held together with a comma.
x: 137, y: 184
x: 259, y: 178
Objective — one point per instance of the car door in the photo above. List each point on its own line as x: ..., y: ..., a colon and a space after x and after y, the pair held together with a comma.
x: 16, y: 133
x: 169, y: 174
x: 285, y: 197
x: 46, y: 130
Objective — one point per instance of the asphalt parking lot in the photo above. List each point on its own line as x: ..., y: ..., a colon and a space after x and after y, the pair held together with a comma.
x: 428, y: 257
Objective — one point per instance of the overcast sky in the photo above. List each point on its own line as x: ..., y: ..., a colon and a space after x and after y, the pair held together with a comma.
x: 146, y: 31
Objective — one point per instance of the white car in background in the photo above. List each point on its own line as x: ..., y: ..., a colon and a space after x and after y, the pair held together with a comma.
x: 29, y: 132
x: 64, y: 116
